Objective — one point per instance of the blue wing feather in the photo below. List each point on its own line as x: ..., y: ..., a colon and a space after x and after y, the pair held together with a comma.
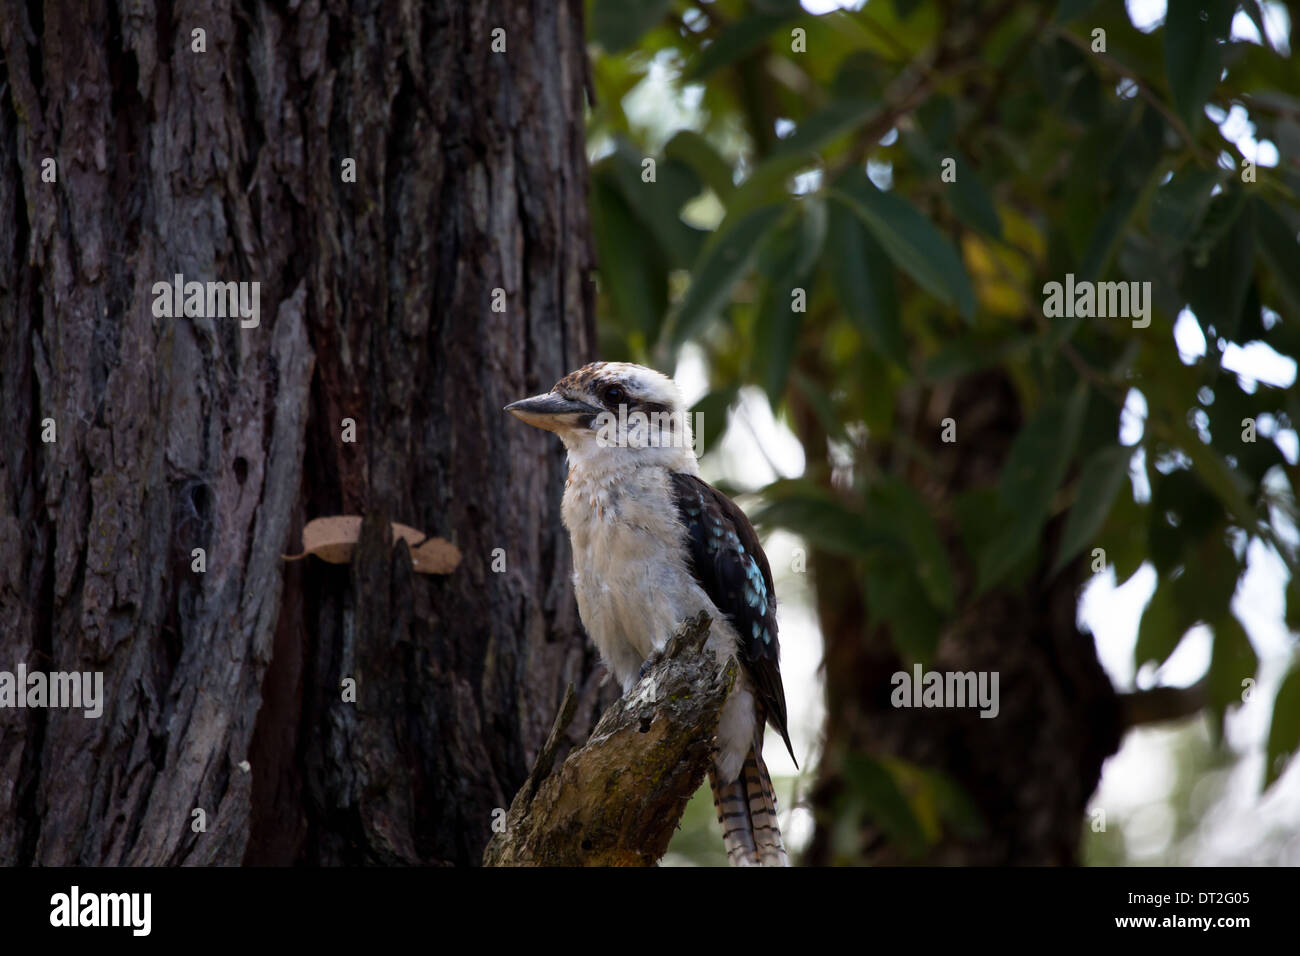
x: 730, y: 566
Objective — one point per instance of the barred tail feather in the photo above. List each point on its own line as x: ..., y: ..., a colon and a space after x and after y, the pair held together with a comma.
x: 747, y: 812
x: 767, y: 835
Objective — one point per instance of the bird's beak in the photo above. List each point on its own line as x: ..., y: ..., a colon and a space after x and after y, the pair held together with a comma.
x: 549, y: 411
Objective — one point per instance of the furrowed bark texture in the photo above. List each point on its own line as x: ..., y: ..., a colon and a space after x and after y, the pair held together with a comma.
x: 616, y: 801
x: 223, y: 687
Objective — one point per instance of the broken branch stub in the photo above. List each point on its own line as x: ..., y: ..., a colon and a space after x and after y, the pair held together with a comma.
x: 616, y: 800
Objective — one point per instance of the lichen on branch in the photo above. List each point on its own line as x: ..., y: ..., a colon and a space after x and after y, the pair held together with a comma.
x: 616, y: 800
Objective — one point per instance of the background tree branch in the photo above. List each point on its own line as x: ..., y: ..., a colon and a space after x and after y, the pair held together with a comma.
x: 1162, y: 704
x: 616, y: 801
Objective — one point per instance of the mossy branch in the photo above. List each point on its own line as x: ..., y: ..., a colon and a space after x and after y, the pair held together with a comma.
x: 616, y: 800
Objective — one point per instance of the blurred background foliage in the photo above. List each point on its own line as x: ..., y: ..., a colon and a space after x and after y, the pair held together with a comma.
x: 796, y: 228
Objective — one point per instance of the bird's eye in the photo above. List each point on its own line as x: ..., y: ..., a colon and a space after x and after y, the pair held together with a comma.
x: 614, y: 395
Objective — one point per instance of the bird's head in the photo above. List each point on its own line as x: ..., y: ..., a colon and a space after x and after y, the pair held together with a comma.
x: 615, y: 414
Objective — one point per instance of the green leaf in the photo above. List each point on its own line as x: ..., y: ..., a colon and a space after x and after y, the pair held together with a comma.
x: 1278, y: 247
x: 972, y: 203
x: 966, y: 194
x: 1180, y: 204
x: 1216, y: 283
x: 1223, y: 211
x: 1193, y: 58
x: 698, y: 153
x: 911, y: 241
x: 1068, y: 10
x: 785, y: 8
x: 1124, y: 538
x: 863, y: 282
x: 738, y: 40
x: 1034, y: 469
x: 618, y: 24
x: 899, y: 508
x: 1085, y: 198
x: 711, y: 412
x: 821, y: 403
x: 632, y: 270
x: 791, y: 248
x: 1232, y: 661
x: 871, y: 792
x: 1284, y: 732
x: 776, y: 339
x: 1132, y: 165
x: 817, y: 515
x: 938, y: 120
x: 1206, y: 584
x: 723, y: 261
x: 981, y: 522
x: 825, y: 126
x: 971, y: 353
x: 1195, y: 510
x: 786, y: 257
x: 657, y: 204
x: 1162, y: 626
x: 1227, y: 483
x: 954, y: 804
x: 800, y: 149
x: 895, y: 596
x: 1100, y: 481
x: 1106, y: 237
x: 876, y: 397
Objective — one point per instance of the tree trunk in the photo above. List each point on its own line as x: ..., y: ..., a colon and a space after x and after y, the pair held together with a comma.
x: 223, y: 687
x: 1030, y: 771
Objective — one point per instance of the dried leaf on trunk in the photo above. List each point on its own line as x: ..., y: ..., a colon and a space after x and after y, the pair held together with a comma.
x: 332, y: 539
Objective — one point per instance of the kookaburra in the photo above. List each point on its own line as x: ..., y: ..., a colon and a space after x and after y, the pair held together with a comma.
x: 653, y: 544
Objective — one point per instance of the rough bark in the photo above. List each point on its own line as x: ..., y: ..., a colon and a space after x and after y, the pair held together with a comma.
x: 1030, y: 772
x: 181, y: 433
x: 616, y: 801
